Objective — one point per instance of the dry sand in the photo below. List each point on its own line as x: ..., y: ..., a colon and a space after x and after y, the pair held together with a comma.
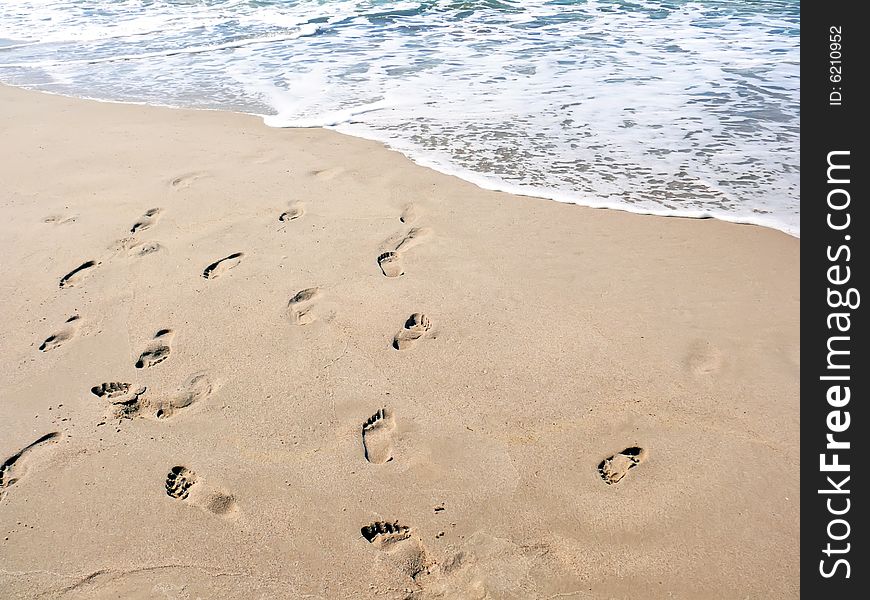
x: 261, y: 436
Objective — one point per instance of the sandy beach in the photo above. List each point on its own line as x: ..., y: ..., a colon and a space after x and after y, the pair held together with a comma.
x: 246, y: 362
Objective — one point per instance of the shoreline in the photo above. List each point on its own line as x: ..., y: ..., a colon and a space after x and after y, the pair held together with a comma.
x: 249, y: 362
x: 480, y: 180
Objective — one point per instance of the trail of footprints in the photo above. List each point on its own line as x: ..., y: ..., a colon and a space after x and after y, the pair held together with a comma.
x: 127, y: 400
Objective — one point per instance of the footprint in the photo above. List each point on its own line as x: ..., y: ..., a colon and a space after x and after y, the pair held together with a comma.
x: 391, y: 264
x: 293, y: 213
x: 414, y: 236
x: 130, y: 246
x: 146, y: 221
x: 328, y: 174
x: 400, y: 544
x: 704, y: 359
x: 299, y: 307
x: 416, y: 327
x: 410, y: 213
x: 11, y: 470
x: 185, y: 181
x: 111, y: 390
x: 216, y: 269
x: 614, y: 468
x: 391, y: 260
x: 197, y: 387
x: 59, y: 219
x: 72, y: 278
x: 126, y: 400
x: 181, y: 482
x: 55, y: 340
x: 157, y: 351
x: 377, y: 437
x: 146, y: 249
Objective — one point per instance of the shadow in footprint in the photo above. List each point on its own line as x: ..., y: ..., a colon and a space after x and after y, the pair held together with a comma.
x: 196, y: 388
x: 75, y: 276
x: 11, y: 470
x: 146, y: 221
x: 183, y: 484
x: 390, y: 261
x: 300, y: 306
x: 391, y: 264
x: 128, y: 401
x: 398, y: 542
x: 157, y: 351
x: 410, y: 213
x: 613, y: 468
x: 57, y: 339
x: 292, y: 213
x: 59, y: 219
x: 219, y: 267
x: 417, y: 326
x: 179, y: 481
x: 377, y: 437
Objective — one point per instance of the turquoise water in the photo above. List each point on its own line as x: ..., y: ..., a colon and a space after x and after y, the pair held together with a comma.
x: 667, y: 107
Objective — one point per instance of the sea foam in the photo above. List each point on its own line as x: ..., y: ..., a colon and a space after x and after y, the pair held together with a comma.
x: 662, y: 107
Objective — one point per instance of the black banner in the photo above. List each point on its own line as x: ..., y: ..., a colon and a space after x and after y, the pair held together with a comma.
x: 834, y: 221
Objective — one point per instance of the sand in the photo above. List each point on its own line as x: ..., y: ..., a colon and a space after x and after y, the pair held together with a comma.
x: 243, y: 362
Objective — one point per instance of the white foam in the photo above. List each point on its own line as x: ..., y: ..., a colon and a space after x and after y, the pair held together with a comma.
x: 686, y: 109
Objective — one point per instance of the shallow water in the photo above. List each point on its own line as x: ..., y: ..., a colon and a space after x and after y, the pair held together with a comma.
x: 667, y: 107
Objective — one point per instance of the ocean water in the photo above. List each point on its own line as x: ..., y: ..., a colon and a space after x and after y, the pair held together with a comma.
x: 657, y: 106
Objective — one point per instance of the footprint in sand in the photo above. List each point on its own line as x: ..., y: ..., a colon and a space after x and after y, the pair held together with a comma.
x: 399, y: 542
x: 157, y: 351
x: 218, y: 268
x: 329, y: 173
x: 75, y: 276
x: 128, y: 401
x: 59, y: 219
x: 196, y: 388
x: 613, y: 468
x: 185, y: 180
x: 410, y: 213
x: 13, y: 468
x: 145, y: 249
x: 417, y: 326
x: 292, y: 213
x: 377, y: 437
x: 70, y: 328
x: 391, y: 264
x: 111, y: 390
x: 146, y: 221
x: 704, y: 359
x: 125, y: 399
x: 300, y: 306
x: 390, y: 261
x: 183, y: 484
